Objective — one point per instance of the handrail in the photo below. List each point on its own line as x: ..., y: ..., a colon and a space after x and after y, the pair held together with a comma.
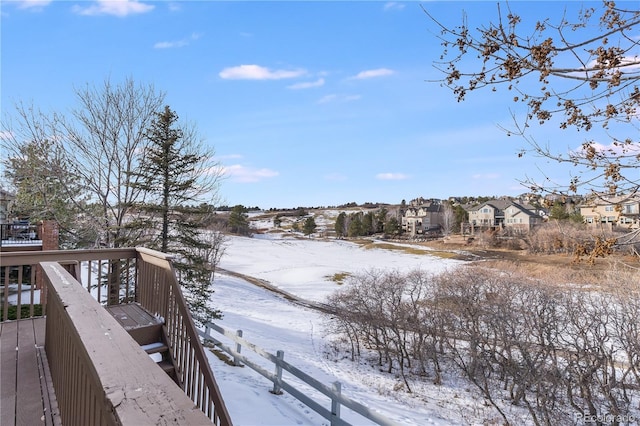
x: 19, y: 258
x: 24, y: 266
x: 119, y: 276
x: 100, y: 374
x: 159, y: 293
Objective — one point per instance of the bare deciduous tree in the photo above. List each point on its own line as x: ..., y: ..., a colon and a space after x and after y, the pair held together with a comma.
x: 580, y: 72
x: 448, y: 218
x: 107, y: 134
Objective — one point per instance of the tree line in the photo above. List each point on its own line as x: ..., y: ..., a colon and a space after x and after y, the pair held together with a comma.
x: 362, y: 224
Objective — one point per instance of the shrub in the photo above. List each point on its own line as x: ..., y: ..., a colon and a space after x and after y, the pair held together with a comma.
x: 556, y: 351
x: 24, y: 312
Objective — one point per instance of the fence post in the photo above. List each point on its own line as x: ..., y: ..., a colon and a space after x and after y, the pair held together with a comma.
x: 335, y: 403
x: 207, y: 332
x: 276, y: 384
x: 236, y: 360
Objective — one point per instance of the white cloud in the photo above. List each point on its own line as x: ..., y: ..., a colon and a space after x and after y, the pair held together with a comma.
x: 338, y: 98
x: 256, y: 72
x: 243, y: 174
x: 169, y: 44
x: 629, y: 64
x: 380, y: 72
x: 113, y: 7
x: 392, y: 5
x: 33, y: 4
x: 307, y: 85
x: 391, y: 176
x: 609, y: 150
x: 6, y: 135
x: 177, y: 43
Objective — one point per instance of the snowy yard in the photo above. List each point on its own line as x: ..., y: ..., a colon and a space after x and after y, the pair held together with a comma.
x: 303, y: 268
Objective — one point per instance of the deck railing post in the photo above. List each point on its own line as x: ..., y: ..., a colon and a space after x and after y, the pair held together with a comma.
x: 277, y: 390
x: 236, y: 360
x: 113, y: 297
x: 335, y: 403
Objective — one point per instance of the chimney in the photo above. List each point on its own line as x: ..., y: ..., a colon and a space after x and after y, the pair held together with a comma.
x: 49, y: 235
x: 48, y: 232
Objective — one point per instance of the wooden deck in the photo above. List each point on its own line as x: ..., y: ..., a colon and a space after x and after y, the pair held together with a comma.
x: 26, y: 392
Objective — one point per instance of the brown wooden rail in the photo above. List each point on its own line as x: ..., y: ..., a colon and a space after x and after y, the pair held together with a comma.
x: 159, y: 293
x: 88, y: 266
x: 116, y: 276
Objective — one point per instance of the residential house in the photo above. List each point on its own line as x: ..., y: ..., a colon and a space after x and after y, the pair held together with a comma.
x: 503, y: 213
x: 423, y: 219
x: 622, y: 211
x: 517, y: 216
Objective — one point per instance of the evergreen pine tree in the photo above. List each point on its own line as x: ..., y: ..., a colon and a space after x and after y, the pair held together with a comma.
x: 309, y: 226
x: 238, y: 220
x: 173, y: 174
x: 48, y: 189
x: 341, y: 225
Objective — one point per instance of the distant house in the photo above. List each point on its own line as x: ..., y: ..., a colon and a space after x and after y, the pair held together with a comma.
x: 520, y: 217
x: 620, y: 211
x: 423, y: 219
x: 503, y: 213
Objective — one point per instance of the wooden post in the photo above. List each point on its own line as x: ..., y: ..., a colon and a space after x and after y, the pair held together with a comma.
x: 277, y: 390
x: 236, y: 360
x: 335, y: 404
x: 49, y: 234
x: 113, y: 280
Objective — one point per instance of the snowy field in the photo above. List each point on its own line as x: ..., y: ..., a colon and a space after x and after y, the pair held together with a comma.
x: 303, y: 267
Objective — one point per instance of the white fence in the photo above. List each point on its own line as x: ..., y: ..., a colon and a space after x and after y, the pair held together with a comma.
x: 333, y: 391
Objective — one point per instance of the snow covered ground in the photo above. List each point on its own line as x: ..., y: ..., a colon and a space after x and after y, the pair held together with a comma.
x: 303, y: 267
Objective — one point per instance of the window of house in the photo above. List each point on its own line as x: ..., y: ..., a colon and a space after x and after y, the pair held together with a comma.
x: 608, y: 208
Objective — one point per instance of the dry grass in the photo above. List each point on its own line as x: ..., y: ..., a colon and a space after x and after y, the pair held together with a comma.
x: 339, y: 277
x: 368, y: 245
x: 607, y: 274
x: 223, y: 357
x: 612, y: 272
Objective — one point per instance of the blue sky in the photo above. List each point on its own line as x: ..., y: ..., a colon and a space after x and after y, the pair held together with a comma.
x: 305, y: 103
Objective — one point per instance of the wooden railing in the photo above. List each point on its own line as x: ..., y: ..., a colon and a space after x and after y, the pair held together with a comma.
x: 23, y: 288
x: 159, y: 293
x: 113, y: 276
